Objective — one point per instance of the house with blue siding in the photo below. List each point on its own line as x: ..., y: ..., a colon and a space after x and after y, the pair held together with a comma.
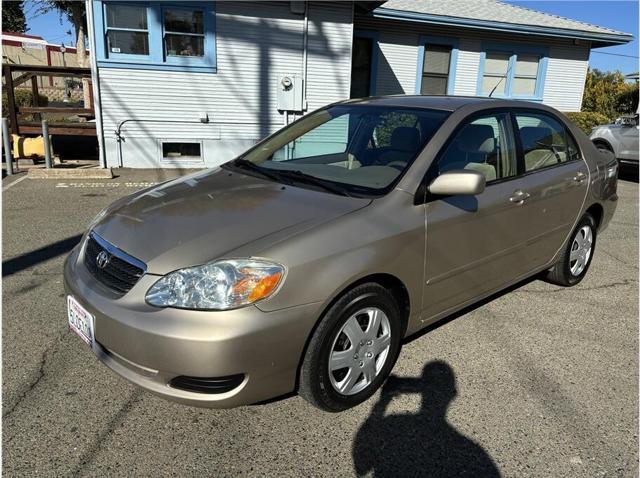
x: 191, y: 84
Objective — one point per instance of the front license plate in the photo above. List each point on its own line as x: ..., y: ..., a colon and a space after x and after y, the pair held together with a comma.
x: 80, y: 321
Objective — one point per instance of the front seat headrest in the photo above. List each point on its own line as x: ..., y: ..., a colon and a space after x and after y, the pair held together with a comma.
x: 477, y: 138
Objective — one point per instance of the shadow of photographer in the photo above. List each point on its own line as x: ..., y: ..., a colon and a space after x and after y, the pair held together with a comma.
x: 420, y: 444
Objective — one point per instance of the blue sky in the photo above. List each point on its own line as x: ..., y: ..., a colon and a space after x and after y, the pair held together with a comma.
x: 619, y: 15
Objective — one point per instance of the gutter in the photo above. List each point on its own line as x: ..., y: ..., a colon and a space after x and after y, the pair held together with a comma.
x: 608, y: 39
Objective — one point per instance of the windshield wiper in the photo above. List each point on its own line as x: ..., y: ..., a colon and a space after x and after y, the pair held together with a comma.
x: 296, y: 175
x: 249, y: 166
x: 286, y: 176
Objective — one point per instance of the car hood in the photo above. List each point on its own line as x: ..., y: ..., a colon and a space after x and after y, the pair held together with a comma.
x: 208, y: 215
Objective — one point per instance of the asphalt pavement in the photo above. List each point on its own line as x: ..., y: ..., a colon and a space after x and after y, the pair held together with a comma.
x: 539, y: 381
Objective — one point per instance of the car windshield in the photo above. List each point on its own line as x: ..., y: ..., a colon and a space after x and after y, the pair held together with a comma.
x: 354, y: 150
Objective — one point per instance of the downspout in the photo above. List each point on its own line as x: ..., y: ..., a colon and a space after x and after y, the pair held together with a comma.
x: 305, y: 43
x: 95, y: 83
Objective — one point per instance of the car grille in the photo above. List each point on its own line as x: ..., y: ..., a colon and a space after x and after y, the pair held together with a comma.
x: 121, y: 271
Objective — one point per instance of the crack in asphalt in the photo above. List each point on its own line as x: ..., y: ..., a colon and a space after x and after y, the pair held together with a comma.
x: 93, y: 450
x: 611, y: 285
x: 620, y: 260
x: 52, y: 348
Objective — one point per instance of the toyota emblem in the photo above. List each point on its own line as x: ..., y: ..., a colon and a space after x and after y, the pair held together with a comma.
x: 102, y: 259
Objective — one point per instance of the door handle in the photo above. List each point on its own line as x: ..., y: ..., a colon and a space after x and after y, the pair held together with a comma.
x: 519, y: 197
x: 579, y: 177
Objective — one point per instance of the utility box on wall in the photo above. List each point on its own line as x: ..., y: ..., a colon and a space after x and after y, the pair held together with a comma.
x: 290, y: 92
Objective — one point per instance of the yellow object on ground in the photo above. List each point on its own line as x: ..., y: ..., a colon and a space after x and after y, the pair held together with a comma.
x: 28, y: 147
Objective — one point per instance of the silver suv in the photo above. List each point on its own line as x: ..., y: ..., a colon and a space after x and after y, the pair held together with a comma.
x: 620, y: 138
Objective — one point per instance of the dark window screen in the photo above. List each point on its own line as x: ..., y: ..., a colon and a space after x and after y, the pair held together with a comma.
x: 435, y: 70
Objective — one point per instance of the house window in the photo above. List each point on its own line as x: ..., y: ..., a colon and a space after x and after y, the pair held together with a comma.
x: 435, y: 71
x: 127, y: 29
x: 174, y: 151
x: 437, y: 62
x: 496, y: 70
x: 512, y: 72
x: 526, y: 75
x: 184, y: 32
x: 156, y: 35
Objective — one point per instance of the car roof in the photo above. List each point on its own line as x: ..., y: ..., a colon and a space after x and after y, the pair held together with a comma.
x: 445, y: 103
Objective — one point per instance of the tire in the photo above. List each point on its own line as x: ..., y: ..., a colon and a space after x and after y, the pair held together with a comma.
x: 567, y: 271
x: 368, y: 362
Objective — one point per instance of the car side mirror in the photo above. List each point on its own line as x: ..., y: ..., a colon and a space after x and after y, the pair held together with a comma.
x: 459, y: 182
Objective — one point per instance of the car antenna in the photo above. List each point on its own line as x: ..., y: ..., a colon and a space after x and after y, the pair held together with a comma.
x: 501, y: 78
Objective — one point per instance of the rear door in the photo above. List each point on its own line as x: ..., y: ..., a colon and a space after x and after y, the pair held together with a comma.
x: 556, y: 179
x: 475, y: 244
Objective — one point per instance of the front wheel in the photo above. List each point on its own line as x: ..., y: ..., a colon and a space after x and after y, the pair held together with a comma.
x: 353, y: 349
x: 576, y: 258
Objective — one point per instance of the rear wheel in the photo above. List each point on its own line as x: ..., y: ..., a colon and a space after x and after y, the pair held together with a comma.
x: 576, y: 258
x: 353, y: 349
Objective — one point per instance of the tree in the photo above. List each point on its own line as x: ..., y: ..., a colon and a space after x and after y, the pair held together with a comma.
x: 13, y: 19
x: 75, y: 12
x: 608, y: 93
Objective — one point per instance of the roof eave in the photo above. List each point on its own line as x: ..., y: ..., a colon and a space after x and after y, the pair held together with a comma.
x: 598, y: 39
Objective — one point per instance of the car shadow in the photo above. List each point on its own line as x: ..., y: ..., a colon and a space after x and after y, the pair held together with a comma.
x: 422, y: 443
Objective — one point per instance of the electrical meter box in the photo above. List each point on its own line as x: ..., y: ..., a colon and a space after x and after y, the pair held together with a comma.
x: 290, y: 92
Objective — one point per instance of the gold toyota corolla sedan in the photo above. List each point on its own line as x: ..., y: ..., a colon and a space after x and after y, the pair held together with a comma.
x: 303, y: 264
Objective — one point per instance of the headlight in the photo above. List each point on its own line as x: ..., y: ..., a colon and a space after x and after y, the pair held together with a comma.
x: 219, y: 285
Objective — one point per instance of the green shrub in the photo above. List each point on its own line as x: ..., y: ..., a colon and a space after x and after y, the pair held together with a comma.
x: 586, y: 120
x: 23, y: 97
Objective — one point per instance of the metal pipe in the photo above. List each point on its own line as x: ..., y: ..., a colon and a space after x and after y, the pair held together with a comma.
x: 7, y: 146
x: 95, y: 82
x: 47, y: 144
x: 305, y: 43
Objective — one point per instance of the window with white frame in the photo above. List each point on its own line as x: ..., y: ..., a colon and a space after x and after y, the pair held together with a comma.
x: 512, y: 74
x: 156, y: 35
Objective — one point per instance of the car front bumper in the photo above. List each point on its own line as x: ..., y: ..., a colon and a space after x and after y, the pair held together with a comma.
x: 150, y: 346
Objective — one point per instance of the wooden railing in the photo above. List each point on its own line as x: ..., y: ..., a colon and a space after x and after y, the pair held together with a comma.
x: 30, y: 73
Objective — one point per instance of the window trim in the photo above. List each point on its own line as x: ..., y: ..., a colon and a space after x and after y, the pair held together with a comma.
x: 157, y: 58
x: 374, y: 35
x: 453, y: 60
x: 514, y: 50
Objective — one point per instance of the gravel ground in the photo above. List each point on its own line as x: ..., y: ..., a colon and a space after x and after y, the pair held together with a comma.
x: 540, y: 381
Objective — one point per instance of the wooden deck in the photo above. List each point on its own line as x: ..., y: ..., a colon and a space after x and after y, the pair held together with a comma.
x: 29, y: 73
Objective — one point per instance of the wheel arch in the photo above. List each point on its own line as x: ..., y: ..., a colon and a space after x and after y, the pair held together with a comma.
x: 597, y: 211
x: 386, y: 280
x: 604, y: 142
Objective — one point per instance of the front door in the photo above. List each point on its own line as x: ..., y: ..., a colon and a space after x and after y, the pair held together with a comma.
x: 475, y: 244
x: 361, y: 67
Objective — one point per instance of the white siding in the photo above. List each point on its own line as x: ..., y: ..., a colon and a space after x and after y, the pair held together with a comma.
x: 398, y: 60
x: 468, y: 67
x: 256, y: 43
x: 566, y: 73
